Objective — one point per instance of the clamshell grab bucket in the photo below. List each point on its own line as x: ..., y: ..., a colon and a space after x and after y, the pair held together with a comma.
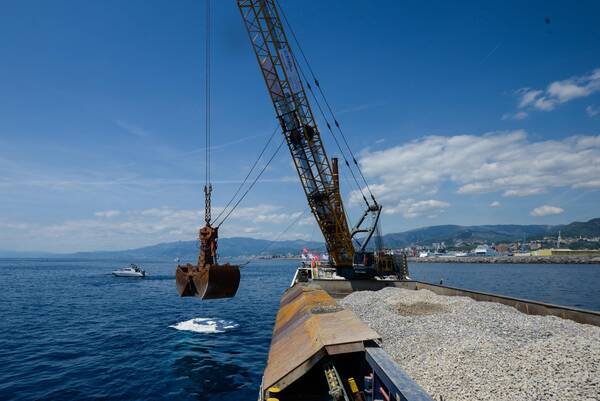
x: 207, y: 282
x: 207, y: 279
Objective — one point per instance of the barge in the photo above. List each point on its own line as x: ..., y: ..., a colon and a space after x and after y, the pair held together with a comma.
x: 321, y: 351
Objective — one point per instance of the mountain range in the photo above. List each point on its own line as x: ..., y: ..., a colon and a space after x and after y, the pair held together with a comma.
x: 186, y: 251
x: 239, y: 247
x: 491, y: 233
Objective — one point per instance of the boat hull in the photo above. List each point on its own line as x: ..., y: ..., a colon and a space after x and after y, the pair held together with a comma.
x: 127, y: 274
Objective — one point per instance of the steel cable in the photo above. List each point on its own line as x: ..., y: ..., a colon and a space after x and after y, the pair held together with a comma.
x: 316, y: 81
x: 252, y: 184
x: 207, y: 94
x: 292, y: 224
x: 249, y: 173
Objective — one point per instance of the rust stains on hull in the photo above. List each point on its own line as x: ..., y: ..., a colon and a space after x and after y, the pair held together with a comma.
x: 309, y: 326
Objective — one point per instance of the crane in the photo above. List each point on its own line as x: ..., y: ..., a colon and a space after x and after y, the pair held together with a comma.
x: 319, y: 177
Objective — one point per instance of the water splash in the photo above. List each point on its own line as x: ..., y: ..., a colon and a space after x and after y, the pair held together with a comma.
x: 205, y: 325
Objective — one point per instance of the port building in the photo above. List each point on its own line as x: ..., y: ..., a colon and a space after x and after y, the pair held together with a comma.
x: 566, y: 252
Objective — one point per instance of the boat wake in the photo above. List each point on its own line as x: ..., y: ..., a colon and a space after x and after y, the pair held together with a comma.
x: 205, y: 325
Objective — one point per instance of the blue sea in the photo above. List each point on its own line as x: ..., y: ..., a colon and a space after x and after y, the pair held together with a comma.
x: 71, y: 331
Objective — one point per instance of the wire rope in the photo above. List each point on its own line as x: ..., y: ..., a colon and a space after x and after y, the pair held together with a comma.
x: 318, y: 85
x: 207, y: 87
x: 253, y: 183
x: 239, y: 188
x: 292, y: 224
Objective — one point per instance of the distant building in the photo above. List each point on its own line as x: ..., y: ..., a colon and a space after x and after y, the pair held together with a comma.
x: 502, y: 248
x: 566, y: 252
x: 484, y: 250
x: 535, y: 245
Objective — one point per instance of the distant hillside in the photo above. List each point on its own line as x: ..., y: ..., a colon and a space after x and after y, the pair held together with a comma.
x: 589, y: 228
x: 490, y: 233
x: 187, y: 251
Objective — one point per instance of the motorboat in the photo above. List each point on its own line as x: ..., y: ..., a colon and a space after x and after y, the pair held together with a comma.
x: 132, y: 270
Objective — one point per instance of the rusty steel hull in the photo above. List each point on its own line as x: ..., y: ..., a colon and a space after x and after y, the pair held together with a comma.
x: 311, y: 329
x: 207, y: 282
x: 310, y: 326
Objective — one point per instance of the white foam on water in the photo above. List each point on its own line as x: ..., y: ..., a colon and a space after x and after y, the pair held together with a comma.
x: 205, y: 325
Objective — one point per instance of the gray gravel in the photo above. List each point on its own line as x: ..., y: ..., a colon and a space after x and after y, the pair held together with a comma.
x: 467, y: 350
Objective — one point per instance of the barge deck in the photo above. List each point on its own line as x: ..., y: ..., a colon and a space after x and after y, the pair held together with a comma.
x: 338, y: 356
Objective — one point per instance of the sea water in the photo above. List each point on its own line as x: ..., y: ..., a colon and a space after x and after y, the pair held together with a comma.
x: 562, y: 284
x: 69, y: 330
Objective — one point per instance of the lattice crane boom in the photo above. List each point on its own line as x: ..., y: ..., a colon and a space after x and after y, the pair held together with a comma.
x: 298, y: 125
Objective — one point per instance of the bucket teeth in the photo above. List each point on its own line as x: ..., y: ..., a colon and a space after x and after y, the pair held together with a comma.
x: 207, y: 282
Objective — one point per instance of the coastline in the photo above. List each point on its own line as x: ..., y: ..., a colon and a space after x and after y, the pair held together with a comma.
x: 563, y: 260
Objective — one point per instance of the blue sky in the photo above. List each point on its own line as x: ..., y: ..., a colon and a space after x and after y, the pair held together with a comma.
x: 470, y: 113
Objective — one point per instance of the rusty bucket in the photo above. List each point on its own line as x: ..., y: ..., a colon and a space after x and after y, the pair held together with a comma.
x: 207, y: 282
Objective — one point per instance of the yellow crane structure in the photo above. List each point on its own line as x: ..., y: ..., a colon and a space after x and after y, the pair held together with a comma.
x: 319, y: 176
x: 298, y: 125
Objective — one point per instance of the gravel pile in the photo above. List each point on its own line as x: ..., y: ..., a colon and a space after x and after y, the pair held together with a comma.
x: 461, y: 349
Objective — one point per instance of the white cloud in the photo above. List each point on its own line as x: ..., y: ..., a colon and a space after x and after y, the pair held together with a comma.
x: 593, y: 184
x: 309, y: 220
x: 523, y: 192
x: 559, y: 92
x: 157, y: 212
x: 132, y: 129
x: 361, y: 107
x: 134, y: 228
x: 506, y: 162
x: 519, y: 115
x: 546, y: 210
x: 592, y: 111
x: 276, y: 218
x: 528, y: 96
x: 125, y: 182
x: 107, y: 213
x: 410, y: 208
x: 570, y: 89
x: 495, y: 204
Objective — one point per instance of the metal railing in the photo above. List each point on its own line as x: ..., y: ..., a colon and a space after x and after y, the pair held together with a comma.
x: 388, y: 381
